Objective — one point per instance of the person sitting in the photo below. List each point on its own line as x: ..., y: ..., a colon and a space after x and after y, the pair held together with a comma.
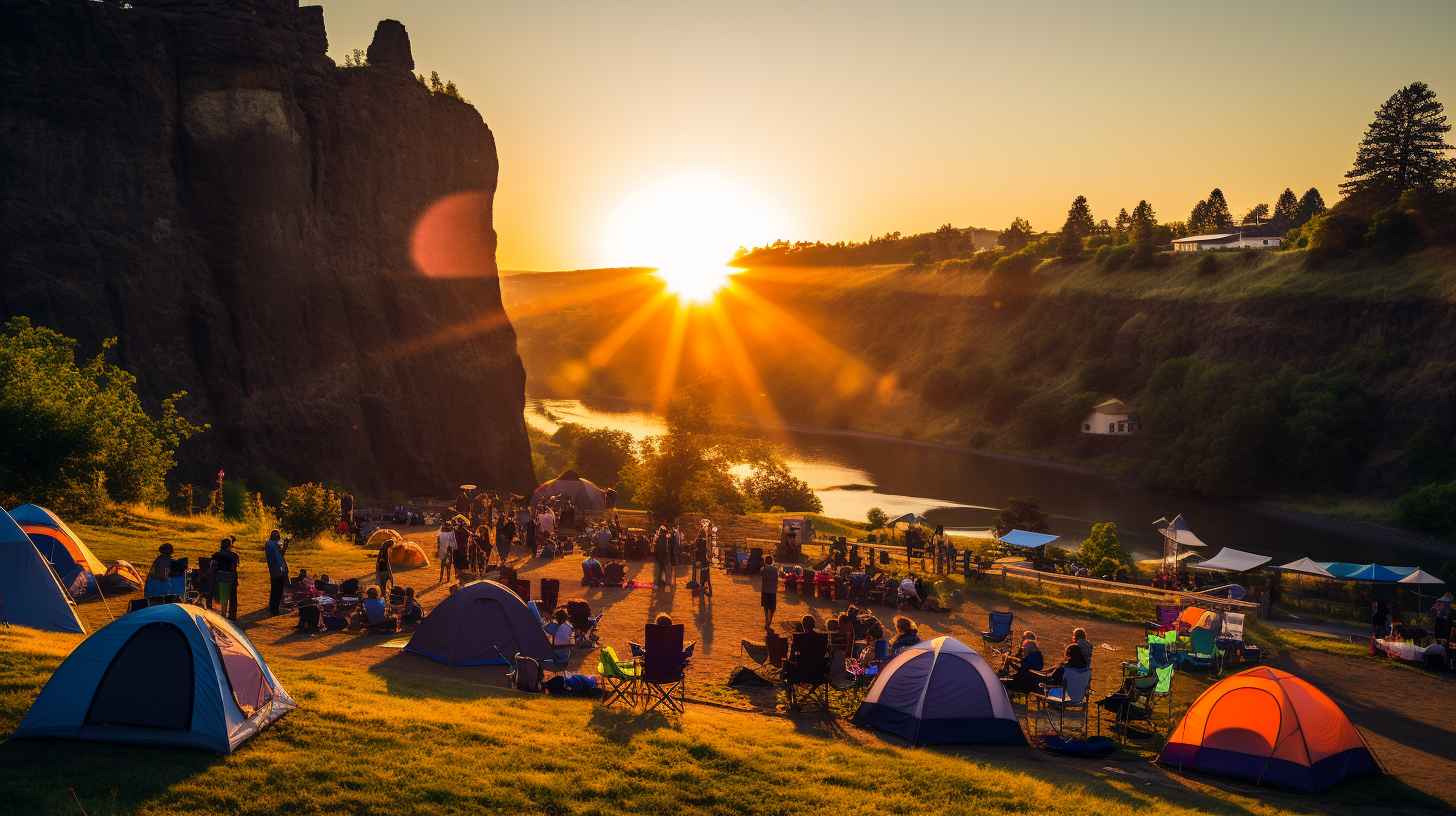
x: 375, y: 615
x: 909, y: 594
x: 562, y: 636
x: 592, y: 573
x: 412, y: 611
x: 806, y: 625
x: 877, y: 649
x: 303, y: 586
x: 1072, y: 658
x: 1019, y: 670
x: 906, y: 635
x: 1079, y: 637
x: 159, y: 577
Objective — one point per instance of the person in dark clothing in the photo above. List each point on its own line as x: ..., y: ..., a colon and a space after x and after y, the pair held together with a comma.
x: 700, y: 563
x: 531, y: 534
x: 276, y: 553
x: 383, y: 569
x: 661, y: 558
x: 225, y: 578
x: 1379, y: 619
x: 1073, y: 658
x: 505, y: 533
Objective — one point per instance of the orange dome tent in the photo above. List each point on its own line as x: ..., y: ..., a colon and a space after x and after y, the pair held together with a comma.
x: 1271, y: 727
x: 407, y: 554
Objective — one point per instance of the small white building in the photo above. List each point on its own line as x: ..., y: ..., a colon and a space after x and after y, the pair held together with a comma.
x: 1111, y: 418
x: 1249, y: 238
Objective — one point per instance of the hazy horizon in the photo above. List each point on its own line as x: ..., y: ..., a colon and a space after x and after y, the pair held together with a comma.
x: 835, y: 123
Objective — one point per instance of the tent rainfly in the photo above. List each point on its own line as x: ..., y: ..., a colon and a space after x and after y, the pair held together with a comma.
x: 1308, y: 567
x: 1232, y: 560
x: 1026, y: 539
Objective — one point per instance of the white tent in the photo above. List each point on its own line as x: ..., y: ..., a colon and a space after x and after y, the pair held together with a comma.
x: 1420, y: 576
x: 1308, y: 567
x: 1232, y: 560
x: 1179, y: 531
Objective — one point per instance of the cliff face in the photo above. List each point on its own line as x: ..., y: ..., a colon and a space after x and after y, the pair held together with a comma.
x: 198, y: 179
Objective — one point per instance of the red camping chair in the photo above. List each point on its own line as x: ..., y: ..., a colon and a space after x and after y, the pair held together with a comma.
x: 663, y: 680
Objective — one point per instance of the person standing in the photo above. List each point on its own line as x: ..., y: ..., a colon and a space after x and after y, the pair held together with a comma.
x: 276, y: 554
x: 445, y: 551
x: 504, y: 532
x: 660, y: 556
x: 225, y: 579
x: 383, y: 570
x: 530, y: 532
x: 674, y: 553
x: 769, y: 587
x: 700, y: 563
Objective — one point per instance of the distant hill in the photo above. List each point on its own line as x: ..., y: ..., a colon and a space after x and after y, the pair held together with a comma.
x: 892, y: 248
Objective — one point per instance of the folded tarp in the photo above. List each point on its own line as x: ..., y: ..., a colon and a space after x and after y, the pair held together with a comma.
x: 1232, y: 560
x: 1308, y: 567
x: 1026, y: 539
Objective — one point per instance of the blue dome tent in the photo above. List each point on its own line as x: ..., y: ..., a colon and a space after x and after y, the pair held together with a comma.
x: 30, y: 593
x: 941, y: 692
x: 173, y: 674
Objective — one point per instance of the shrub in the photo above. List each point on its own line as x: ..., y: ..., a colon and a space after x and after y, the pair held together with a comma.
x: 1207, y: 264
x: 1113, y: 258
x: 1393, y: 232
x: 774, y: 486
x: 985, y: 259
x: 1102, y: 552
x: 921, y: 258
x: 308, y: 511
x: 235, y: 500
x: 1430, y: 508
x: 876, y: 518
x: 1333, y: 235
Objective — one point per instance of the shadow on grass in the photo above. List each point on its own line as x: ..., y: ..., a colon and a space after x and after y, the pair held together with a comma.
x: 620, y: 725
x: 38, y: 776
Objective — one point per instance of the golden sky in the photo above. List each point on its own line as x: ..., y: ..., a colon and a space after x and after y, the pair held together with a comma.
x: 839, y: 120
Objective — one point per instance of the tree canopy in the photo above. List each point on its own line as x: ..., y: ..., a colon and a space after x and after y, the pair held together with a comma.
x: 1017, y: 235
x: 1404, y: 147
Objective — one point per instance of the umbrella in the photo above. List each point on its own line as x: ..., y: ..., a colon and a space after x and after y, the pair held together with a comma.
x: 1418, y: 578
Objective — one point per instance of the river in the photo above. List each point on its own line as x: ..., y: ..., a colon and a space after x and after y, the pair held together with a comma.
x: 960, y: 489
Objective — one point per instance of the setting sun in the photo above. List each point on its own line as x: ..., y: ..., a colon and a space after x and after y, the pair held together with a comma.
x: 687, y: 227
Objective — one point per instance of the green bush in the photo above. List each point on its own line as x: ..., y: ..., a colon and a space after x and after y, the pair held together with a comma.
x: 774, y: 486
x: 235, y: 500
x: 75, y: 436
x: 876, y: 518
x: 1334, y: 235
x: 1113, y: 258
x: 1207, y: 264
x: 1430, y: 508
x: 308, y: 511
x: 1393, y: 232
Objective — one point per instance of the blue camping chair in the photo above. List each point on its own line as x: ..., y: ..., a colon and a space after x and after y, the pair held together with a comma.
x: 1000, y: 623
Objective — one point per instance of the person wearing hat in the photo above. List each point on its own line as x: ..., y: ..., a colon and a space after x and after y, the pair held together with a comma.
x: 1441, y: 617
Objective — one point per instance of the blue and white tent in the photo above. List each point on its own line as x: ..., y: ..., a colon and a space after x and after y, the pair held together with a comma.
x: 30, y: 593
x: 941, y: 692
x: 173, y: 674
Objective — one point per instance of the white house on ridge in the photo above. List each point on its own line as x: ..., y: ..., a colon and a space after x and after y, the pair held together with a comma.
x: 1111, y: 418
x: 1247, y: 237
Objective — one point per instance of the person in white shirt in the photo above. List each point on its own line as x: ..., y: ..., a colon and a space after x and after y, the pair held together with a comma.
x: 908, y: 594
x: 444, y: 547
x: 562, y: 636
x: 547, y: 522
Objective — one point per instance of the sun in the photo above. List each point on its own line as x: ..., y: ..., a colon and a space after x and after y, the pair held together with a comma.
x: 687, y: 227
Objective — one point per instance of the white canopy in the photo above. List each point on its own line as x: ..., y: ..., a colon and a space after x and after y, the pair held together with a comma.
x: 1308, y: 567
x: 1179, y: 531
x: 1420, y: 576
x: 1232, y: 560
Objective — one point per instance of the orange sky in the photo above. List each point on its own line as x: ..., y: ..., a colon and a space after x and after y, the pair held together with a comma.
x: 836, y: 121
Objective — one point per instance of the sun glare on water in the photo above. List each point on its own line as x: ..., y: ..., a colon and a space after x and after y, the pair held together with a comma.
x: 687, y: 228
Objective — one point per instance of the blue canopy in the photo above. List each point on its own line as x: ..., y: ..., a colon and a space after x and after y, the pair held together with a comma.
x: 1026, y: 539
x: 1378, y: 573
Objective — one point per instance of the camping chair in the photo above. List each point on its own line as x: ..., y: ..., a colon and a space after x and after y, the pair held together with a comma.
x: 1070, y: 696
x: 768, y: 656
x: 1166, y: 617
x: 999, y: 624
x: 1202, y: 651
x: 808, y: 665
x: 618, y: 680
x: 615, y: 575
x: 1132, y: 702
x: 521, y: 588
x: 550, y: 593
x: 663, y: 678
x: 523, y: 673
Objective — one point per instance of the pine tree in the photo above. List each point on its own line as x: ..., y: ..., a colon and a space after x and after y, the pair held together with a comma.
x: 1404, y: 148
x: 1144, y: 223
x: 1198, y: 218
x: 1218, y: 215
x: 1257, y: 214
x: 1121, y: 225
x: 1079, y: 218
x: 1017, y: 235
x: 1310, y: 205
x: 436, y: 86
x: 1286, y: 209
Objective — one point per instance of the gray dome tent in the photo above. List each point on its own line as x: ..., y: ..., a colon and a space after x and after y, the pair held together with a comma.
x: 482, y: 624
x: 584, y: 492
x: 941, y: 692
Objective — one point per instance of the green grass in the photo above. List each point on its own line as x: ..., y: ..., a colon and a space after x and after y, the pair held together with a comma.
x: 1277, y: 641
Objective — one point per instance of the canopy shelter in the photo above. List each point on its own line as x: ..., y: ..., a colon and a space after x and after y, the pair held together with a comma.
x: 1420, y: 576
x: 172, y: 674
x: 481, y: 624
x: 910, y: 519
x: 584, y: 492
x: 1307, y: 567
x: 1374, y: 573
x: 76, y: 566
x: 30, y: 592
x: 1026, y: 540
x: 1269, y: 727
x: 1232, y: 560
x: 1176, y: 533
x: 941, y: 692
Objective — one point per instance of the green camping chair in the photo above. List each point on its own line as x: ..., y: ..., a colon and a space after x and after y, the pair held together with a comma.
x: 1202, y: 651
x: 1163, y: 691
x: 618, y: 680
x: 1142, y: 667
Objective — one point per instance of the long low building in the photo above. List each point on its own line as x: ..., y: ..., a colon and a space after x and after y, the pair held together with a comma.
x: 1251, y: 238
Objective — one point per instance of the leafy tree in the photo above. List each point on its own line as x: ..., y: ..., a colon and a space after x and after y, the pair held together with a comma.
x: 1286, y: 210
x: 356, y: 59
x: 1310, y: 205
x: 1430, y: 508
x: 1404, y: 148
x: 1257, y: 214
x: 599, y: 454
x: 1017, y: 235
x: 1198, y: 218
x: 1144, y: 233
x: 1102, y: 552
x: 773, y: 485
x: 75, y: 436
x: 876, y: 518
x: 1021, y: 514
x: 308, y: 511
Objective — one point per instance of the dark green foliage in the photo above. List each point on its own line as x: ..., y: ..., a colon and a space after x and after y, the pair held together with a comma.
x: 356, y: 58
x: 598, y: 454
x: 235, y: 500
x: 985, y: 259
x: 1207, y: 264
x: 1233, y: 429
x: 1311, y: 204
x: 75, y: 436
x: 1257, y: 214
x: 1393, y: 232
x: 876, y: 518
x: 1334, y: 235
x: 947, y: 386
x: 921, y: 258
x: 944, y: 243
x: 1122, y: 226
x: 1103, y: 554
x: 1286, y: 210
x: 1404, y: 148
x: 1016, y: 236
x: 1113, y: 258
x: 308, y: 511
x: 772, y: 485
x: 1079, y: 225
x: 1430, y: 508
x: 1021, y: 514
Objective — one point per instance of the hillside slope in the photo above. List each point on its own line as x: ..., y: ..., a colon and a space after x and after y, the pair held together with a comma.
x: 198, y: 179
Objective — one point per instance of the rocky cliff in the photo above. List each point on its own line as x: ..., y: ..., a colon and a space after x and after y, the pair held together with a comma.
x: 306, y: 249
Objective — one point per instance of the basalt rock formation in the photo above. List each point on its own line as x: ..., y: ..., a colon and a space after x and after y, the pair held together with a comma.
x: 307, y: 249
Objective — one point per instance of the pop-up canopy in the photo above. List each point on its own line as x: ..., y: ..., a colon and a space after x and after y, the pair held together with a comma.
x: 1420, y: 576
x: 1027, y: 540
x: 1232, y: 560
x: 1308, y: 567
